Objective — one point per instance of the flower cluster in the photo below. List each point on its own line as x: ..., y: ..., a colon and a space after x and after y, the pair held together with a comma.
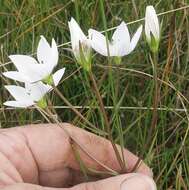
x: 36, y: 74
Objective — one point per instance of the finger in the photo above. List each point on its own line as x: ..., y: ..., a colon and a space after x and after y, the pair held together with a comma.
x: 56, y: 144
x: 23, y: 186
x: 123, y: 182
x: 44, y: 152
x: 131, y: 181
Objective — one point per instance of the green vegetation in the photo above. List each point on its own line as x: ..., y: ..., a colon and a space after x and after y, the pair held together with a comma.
x: 128, y: 92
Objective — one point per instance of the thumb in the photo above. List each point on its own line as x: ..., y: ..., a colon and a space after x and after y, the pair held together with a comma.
x: 133, y: 181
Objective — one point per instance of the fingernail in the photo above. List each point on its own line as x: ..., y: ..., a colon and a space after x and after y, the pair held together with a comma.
x: 138, y: 182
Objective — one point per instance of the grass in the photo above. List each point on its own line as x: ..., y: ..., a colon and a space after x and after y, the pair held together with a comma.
x: 131, y: 97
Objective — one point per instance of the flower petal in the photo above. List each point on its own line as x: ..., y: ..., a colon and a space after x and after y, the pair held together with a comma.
x: 19, y: 93
x: 43, y: 50
x: 37, y: 90
x: 77, y: 35
x: 98, y: 42
x: 121, y: 33
x: 121, y: 40
x: 58, y: 75
x: 15, y: 75
x: 151, y: 23
x: 54, y: 50
x: 47, y: 55
x: 135, y: 38
x: 19, y: 60
x: 18, y: 104
x: 147, y: 27
x: 29, y: 67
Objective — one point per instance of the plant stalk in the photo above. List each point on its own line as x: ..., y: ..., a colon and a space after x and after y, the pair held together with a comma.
x: 78, y: 144
x: 155, y: 100
x: 72, y: 107
x: 107, y: 124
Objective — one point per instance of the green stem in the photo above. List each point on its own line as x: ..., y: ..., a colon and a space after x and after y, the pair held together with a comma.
x: 117, y: 84
x: 78, y: 144
x: 155, y: 101
x: 72, y: 107
x: 107, y: 124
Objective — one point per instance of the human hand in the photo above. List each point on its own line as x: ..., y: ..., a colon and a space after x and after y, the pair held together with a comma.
x: 40, y: 157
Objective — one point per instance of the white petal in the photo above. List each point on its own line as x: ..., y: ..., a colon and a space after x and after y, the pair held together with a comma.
x: 43, y: 50
x: 151, y: 22
x: 121, y: 39
x: 76, y: 33
x: 98, y: 42
x: 15, y: 75
x: 21, y: 60
x: 135, y: 38
x: 47, y: 55
x: 54, y: 50
x: 37, y: 90
x: 18, y: 104
x: 121, y: 33
x: 147, y: 29
x: 78, y: 39
x: 58, y: 75
x: 19, y: 93
x: 29, y: 67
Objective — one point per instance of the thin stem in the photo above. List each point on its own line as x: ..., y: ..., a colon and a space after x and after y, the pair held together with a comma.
x: 43, y: 113
x: 155, y: 101
x: 82, y: 165
x: 136, y: 166
x: 79, y: 145
x: 72, y: 107
x: 117, y: 84
x: 116, y: 104
x: 101, y: 104
x: 107, y: 124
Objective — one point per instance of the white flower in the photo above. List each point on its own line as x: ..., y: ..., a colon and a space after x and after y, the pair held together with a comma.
x: 120, y: 45
x: 28, y: 96
x: 32, y: 94
x: 152, y: 29
x: 80, y: 43
x: 29, y: 69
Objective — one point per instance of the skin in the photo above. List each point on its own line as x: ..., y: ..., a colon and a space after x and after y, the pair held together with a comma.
x: 40, y: 157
